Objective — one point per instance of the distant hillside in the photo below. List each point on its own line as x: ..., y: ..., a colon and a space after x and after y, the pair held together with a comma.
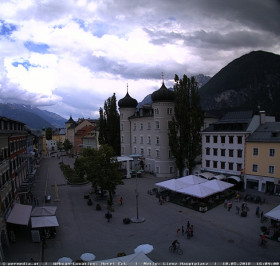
x: 32, y: 116
x: 248, y: 82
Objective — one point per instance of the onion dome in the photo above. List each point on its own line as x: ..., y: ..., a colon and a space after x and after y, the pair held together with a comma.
x: 163, y: 95
x: 127, y: 102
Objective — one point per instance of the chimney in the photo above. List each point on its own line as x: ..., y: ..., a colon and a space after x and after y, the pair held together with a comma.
x: 262, y: 117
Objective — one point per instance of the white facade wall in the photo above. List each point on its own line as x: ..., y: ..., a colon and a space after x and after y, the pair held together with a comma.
x: 232, y: 160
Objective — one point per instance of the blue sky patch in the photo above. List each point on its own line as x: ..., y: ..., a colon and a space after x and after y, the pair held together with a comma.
x: 37, y: 47
x: 26, y: 64
x: 6, y: 28
x: 81, y: 23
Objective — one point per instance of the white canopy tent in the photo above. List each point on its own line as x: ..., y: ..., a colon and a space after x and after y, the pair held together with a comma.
x: 140, y: 258
x: 20, y: 214
x: 173, y: 184
x: 217, y: 185
x: 44, y: 211
x: 198, y: 191
x: 219, y: 177
x: 274, y: 213
x: 192, y: 179
x: 44, y: 221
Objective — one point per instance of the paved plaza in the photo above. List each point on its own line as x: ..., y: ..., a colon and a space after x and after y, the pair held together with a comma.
x: 219, y: 235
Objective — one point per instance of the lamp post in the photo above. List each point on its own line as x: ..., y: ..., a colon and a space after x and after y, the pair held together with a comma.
x: 136, y: 219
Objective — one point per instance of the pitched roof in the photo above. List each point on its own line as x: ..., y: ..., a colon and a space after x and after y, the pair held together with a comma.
x: 267, y: 132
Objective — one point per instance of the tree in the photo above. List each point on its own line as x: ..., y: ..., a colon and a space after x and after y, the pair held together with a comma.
x: 101, y: 168
x: 184, y: 129
x: 109, y: 124
x: 49, y: 133
x: 67, y: 145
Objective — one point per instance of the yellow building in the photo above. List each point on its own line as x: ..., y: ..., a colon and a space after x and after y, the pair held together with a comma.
x: 262, y: 157
x: 59, y: 135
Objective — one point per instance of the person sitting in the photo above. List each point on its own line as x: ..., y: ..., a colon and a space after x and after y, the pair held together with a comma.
x: 175, y: 244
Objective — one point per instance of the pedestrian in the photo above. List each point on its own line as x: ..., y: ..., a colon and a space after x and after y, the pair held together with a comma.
x: 225, y: 203
x: 178, y: 230
x: 237, y: 209
x: 261, y: 216
x: 183, y: 230
x: 191, y: 230
x: 108, y: 216
x: 188, y: 224
x: 121, y: 200
x: 229, y: 205
x: 258, y: 211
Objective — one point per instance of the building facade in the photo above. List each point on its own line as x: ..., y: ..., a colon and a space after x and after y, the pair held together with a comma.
x: 262, y: 168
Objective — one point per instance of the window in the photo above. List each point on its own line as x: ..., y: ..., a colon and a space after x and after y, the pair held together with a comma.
x: 149, y: 125
x: 223, y: 152
x: 122, y: 149
x: 239, y: 166
x: 122, y: 139
x: 207, y: 151
x: 230, y: 139
x: 215, y: 139
x: 169, y: 111
x: 121, y: 126
x: 141, y: 126
x: 149, y: 139
x: 255, y: 168
x: 157, y: 124
x: 157, y: 153
x: 230, y: 153
x: 157, y: 140
x: 135, y: 150
x: 142, y: 151
x: 215, y: 152
x: 255, y: 151
x: 170, y: 170
x: 223, y: 165
x: 207, y: 139
x: 223, y: 139
x: 121, y: 115
x: 271, y: 169
x: 134, y: 139
x: 141, y: 139
x: 156, y: 111
x: 207, y: 163
x: 239, y: 153
x: 230, y: 166
x: 239, y: 139
x: 170, y: 154
x: 271, y: 152
x: 215, y: 163
x: 157, y: 170
x: 149, y: 152
x: 134, y: 126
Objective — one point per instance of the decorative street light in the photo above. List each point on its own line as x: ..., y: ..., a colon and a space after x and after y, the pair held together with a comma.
x: 136, y: 219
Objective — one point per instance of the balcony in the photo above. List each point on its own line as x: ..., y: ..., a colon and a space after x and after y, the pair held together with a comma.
x: 4, y: 165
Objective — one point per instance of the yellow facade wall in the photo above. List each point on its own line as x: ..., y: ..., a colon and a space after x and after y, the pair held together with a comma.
x: 263, y: 160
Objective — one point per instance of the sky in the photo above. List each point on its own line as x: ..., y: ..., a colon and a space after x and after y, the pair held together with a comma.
x: 69, y: 56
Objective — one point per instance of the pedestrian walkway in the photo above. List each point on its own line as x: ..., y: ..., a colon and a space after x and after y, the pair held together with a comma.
x: 219, y: 235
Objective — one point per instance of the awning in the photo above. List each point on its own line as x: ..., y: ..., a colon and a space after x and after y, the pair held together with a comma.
x: 44, y: 211
x: 236, y: 178
x: 20, y: 214
x: 44, y: 221
x: 219, y: 177
x: 124, y: 158
x: 207, y: 175
x: 274, y: 213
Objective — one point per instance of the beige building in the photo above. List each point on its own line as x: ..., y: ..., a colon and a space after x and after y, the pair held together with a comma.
x: 262, y: 157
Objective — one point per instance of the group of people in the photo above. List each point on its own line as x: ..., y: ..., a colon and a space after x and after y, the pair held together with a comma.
x: 188, y: 231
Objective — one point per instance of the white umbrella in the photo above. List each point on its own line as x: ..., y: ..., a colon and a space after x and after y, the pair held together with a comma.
x: 88, y: 257
x: 65, y: 260
x: 145, y: 248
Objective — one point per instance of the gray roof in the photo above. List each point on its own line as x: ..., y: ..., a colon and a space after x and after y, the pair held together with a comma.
x: 267, y: 132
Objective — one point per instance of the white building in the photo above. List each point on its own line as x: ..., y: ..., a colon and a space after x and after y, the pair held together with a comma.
x: 223, y: 143
x: 144, y: 131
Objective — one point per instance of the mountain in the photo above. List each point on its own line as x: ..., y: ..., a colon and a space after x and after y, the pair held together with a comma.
x: 201, y: 80
x: 33, y: 117
x: 249, y: 82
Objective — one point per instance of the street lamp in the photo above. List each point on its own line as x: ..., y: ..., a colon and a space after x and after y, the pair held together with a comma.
x: 136, y: 219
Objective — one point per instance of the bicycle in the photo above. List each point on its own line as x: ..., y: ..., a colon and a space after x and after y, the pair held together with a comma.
x: 177, y: 249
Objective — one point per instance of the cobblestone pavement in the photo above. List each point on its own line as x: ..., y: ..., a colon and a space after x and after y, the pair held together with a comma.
x: 219, y: 235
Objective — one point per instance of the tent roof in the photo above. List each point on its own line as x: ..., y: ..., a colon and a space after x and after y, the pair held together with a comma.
x: 173, y: 184
x: 192, y: 179
x: 217, y: 185
x: 44, y: 211
x: 274, y: 213
x: 127, y: 260
x: 219, y: 177
x: 207, y: 175
x: 236, y: 178
x: 198, y: 191
x: 44, y: 221
x: 20, y: 214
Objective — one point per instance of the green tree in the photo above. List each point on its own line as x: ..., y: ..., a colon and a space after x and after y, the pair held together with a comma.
x: 109, y: 124
x: 59, y: 145
x: 101, y: 168
x: 184, y: 129
x: 67, y: 145
x: 49, y: 132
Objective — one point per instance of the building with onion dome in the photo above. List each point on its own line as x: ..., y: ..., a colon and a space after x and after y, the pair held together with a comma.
x: 144, y: 131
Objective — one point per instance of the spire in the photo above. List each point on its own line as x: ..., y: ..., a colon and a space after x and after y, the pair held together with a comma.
x: 126, y: 87
x: 162, y: 77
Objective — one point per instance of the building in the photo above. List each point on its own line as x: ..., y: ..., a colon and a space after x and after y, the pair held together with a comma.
x: 144, y: 131
x: 223, y: 143
x: 59, y: 136
x: 262, y: 168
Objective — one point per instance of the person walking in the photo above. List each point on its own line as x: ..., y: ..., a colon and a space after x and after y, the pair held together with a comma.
x: 121, y: 201
x: 258, y: 211
x: 108, y: 216
x: 183, y: 230
x: 178, y: 230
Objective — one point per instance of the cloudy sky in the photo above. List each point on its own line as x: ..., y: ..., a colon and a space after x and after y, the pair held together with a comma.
x: 69, y: 56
